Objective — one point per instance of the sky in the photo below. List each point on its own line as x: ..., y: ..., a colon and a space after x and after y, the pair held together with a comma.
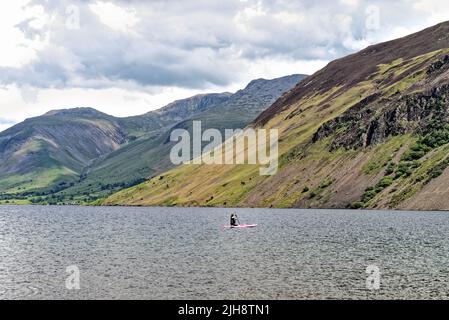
x: 130, y: 57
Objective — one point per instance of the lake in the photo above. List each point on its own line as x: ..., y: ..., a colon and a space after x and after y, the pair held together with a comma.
x: 184, y: 253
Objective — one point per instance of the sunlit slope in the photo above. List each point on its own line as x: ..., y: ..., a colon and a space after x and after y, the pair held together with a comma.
x: 50, y: 151
x: 79, y: 155
x: 43, y: 155
x: 368, y: 131
x: 149, y: 156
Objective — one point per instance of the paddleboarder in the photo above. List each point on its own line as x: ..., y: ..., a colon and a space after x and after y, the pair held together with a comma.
x: 234, y: 220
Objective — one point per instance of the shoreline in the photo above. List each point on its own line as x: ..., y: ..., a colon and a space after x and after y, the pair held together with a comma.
x: 225, y: 208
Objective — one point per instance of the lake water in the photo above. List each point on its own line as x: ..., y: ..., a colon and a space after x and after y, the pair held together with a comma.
x: 184, y: 253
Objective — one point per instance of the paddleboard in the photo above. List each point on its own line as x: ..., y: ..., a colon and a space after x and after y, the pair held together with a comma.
x: 241, y: 226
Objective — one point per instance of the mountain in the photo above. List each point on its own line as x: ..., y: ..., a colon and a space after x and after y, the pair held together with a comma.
x: 47, y: 154
x: 55, y: 147
x: 370, y: 130
x: 245, y: 105
x: 77, y: 155
x: 144, y: 158
x: 156, y: 122
x: 183, y: 109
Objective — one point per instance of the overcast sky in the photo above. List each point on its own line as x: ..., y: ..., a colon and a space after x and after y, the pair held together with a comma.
x: 130, y: 57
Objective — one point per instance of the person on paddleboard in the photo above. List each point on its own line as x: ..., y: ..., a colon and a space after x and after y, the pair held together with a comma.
x: 234, y: 220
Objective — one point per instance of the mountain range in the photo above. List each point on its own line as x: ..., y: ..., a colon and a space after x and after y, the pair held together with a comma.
x: 370, y: 130
x: 80, y: 155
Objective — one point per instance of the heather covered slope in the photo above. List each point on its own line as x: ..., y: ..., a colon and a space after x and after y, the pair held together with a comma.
x: 369, y: 130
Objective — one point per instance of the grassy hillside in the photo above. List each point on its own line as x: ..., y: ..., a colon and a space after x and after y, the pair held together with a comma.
x: 44, y: 155
x: 65, y: 154
x: 47, y: 153
x: 367, y: 131
x: 149, y: 156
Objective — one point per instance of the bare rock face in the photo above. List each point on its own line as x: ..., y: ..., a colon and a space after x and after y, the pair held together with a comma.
x: 439, y: 65
x: 374, y: 121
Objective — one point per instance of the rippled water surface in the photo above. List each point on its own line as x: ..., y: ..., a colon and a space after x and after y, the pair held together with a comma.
x: 184, y: 253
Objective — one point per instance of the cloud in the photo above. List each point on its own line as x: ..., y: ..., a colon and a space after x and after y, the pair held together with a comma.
x: 5, y: 121
x: 86, y: 48
x: 5, y: 124
x: 195, y: 44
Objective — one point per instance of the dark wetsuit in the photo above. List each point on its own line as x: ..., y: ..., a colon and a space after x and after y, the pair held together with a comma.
x: 234, y: 221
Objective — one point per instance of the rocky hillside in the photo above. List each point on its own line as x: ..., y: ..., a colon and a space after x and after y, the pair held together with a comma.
x: 156, y: 122
x: 183, y: 109
x: 370, y: 130
x: 245, y: 105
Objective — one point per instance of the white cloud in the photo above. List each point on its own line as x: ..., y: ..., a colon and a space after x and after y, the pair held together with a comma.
x: 116, y: 17
x: 350, y: 2
x: 16, y: 49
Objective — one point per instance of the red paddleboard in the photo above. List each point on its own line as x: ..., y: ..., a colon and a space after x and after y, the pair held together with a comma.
x: 241, y: 226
